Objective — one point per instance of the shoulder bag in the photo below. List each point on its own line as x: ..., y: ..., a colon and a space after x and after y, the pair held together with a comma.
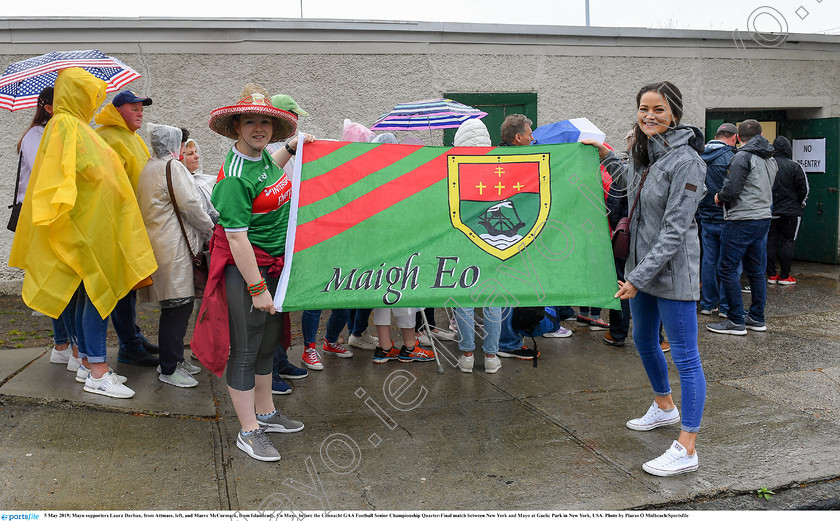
x: 15, y: 206
x: 200, y: 260
x: 621, y: 233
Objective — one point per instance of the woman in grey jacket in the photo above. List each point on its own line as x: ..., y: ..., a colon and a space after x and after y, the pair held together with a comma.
x: 665, y: 176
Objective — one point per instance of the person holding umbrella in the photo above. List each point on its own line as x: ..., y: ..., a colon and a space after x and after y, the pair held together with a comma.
x: 80, y: 229
x: 65, y: 350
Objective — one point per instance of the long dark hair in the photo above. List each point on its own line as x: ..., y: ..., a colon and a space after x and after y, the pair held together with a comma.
x: 673, y: 97
x: 41, y: 115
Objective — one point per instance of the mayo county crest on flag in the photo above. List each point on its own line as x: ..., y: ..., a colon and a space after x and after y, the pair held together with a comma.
x: 499, y: 202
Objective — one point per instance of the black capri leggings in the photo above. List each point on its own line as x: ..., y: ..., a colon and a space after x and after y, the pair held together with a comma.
x: 254, y: 334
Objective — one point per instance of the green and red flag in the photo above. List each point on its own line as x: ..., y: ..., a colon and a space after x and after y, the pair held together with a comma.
x: 382, y: 225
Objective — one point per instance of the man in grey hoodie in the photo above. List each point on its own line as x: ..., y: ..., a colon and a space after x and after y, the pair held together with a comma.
x: 746, y: 197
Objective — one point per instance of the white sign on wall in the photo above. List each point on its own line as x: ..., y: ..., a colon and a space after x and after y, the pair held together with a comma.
x: 810, y: 153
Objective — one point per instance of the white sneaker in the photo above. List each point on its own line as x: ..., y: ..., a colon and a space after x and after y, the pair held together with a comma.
x: 82, y: 373
x: 179, y: 378
x: 61, y: 357
x: 424, y: 339
x: 492, y: 365
x: 108, y: 385
x: 466, y: 363
x: 655, y: 417
x: 364, y: 342
x: 74, y: 363
x: 561, y: 332
x: 443, y: 334
x: 674, y: 461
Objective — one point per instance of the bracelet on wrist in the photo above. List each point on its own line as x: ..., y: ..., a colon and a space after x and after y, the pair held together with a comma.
x: 256, y: 289
x: 290, y: 149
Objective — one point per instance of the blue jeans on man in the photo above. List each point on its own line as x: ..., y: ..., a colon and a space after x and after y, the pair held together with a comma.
x: 744, y: 242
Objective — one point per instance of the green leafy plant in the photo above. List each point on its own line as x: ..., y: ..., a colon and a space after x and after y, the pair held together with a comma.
x: 765, y: 493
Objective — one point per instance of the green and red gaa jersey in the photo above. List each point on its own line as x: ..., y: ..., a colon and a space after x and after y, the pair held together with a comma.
x: 252, y: 194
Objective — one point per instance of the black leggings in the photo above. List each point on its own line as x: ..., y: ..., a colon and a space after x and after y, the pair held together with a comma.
x: 254, y: 334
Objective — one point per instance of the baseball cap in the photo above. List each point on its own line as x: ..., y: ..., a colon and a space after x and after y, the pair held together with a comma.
x: 287, y: 103
x: 727, y: 127
x: 127, y: 96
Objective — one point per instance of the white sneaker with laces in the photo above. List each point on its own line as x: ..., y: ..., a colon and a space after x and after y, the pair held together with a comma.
x: 61, y: 357
x: 653, y: 418
x: 492, y: 364
x: 561, y: 332
x: 364, y: 342
x: 675, y: 461
x: 466, y: 363
x: 108, y: 385
x: 82, y: 373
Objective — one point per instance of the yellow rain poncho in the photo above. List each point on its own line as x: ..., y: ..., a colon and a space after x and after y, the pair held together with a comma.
x: 130, y: 147
x: 80, y: 221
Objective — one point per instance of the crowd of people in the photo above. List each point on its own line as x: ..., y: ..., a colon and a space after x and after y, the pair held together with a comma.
x: 105, y: 223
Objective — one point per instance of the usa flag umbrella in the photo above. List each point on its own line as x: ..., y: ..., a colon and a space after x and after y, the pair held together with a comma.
x: 24, y: 80
x: 427, y: 114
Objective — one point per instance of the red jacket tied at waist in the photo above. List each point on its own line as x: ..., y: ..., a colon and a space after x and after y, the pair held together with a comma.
x: 211, y: 338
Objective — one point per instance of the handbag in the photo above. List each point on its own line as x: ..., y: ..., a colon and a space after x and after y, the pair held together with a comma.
x: 200, y: 260
x: 621, y: 233
x: 15, y: 206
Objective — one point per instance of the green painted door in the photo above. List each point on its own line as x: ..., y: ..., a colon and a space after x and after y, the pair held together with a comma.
x: 818, y: 234
x: 497, y: 106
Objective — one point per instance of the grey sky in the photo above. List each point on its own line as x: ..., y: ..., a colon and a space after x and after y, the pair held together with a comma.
x: 795, y: 16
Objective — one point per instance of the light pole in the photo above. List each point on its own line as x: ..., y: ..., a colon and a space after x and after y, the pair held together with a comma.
x: 587, y: 11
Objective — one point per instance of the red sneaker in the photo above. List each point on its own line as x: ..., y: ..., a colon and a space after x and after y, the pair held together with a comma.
x: 773, y: 280
x: 336, y: 350
x: 790, y: 281
x: 380, y: 356
x: 310, y: 357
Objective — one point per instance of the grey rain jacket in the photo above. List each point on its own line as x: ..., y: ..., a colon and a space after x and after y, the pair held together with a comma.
x: 790, y: 190
x: 747, y: 191
x: 664, y: 258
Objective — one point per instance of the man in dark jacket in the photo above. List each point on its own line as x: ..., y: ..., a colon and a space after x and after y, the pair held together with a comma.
x: 790, y: 191
x: 746, y: 197
x: 717, y: 155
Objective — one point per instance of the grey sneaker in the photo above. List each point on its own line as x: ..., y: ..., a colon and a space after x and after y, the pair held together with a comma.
x: 187, y: 366
x: 178, y: 378
x: 754, y: 325
x: 279, y: 423
x: 727, y: 327
x: 257, y: 445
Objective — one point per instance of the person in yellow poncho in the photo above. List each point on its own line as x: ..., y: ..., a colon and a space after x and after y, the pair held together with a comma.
x: 80, y: 227
x: 120, y: 120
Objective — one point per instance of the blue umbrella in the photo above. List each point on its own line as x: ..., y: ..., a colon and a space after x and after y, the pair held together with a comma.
x: 427, y: 114
x: 22, y: 81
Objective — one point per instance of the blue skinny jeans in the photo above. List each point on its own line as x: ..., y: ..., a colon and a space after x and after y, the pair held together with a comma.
x: 91, y: 329
x: 491, y: 331
x: 680, y: 320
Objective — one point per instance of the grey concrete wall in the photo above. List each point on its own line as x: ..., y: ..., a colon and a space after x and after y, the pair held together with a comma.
x: 365, y: 78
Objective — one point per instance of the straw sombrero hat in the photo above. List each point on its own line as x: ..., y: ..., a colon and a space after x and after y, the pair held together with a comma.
x: 221, y: 120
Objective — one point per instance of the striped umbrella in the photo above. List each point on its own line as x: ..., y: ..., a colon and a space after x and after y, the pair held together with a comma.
x: 427, y: 114
x: 24, y: 80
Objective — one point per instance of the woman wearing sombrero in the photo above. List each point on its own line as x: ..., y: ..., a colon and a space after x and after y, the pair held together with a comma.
x: 252, y: 197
